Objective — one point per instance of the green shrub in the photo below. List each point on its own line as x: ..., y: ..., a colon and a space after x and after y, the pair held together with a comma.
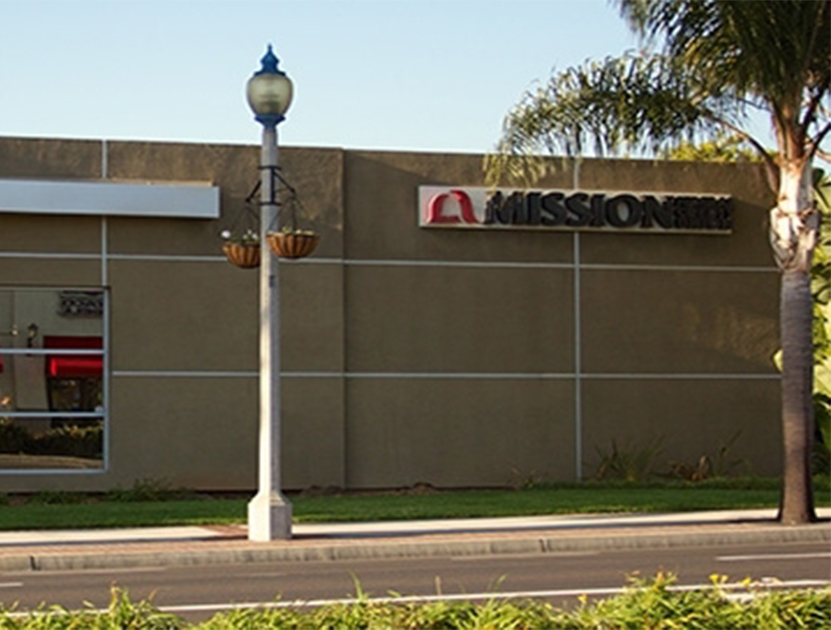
x: 821, y: 456
x: 250, y: 619
x: 13, y: 438
x: 628, y: 462
x: 70, y: 440
x: 792, y: 610
x: 720, y: 465
x: 122, y: 614
x: 149, y: 490
x: 53, y: 497
x: 652, y: 604
x: 647, y: 604
x: 635, y: 462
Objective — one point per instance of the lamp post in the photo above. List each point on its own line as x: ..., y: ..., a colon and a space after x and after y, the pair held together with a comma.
x: 269, y: 94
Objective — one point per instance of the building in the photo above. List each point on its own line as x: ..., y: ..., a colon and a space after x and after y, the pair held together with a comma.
x: 419, y: 344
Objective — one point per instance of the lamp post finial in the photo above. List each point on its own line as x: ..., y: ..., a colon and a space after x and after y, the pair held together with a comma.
x: 269, y: 62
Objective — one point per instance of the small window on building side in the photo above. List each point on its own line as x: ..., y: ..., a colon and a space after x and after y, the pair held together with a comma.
x: 53, y: 399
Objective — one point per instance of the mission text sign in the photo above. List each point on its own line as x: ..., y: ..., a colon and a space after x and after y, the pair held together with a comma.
x: 664, y: 213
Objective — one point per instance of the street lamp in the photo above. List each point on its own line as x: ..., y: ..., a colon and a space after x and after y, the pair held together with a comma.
x: 269, y: 94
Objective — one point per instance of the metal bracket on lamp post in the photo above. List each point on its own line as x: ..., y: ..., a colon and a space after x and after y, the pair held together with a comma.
x: 274, y: 178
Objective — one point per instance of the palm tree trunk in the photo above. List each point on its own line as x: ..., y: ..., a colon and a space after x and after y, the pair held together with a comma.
x: 797, y: 504
x: 793, y: 236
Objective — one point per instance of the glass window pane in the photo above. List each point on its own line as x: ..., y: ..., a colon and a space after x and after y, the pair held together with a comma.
x: 52, y: 399
x: 49, y: 443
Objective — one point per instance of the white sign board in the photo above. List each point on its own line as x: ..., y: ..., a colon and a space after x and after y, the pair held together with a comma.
x: 610, y: 211
x: 106, y: 198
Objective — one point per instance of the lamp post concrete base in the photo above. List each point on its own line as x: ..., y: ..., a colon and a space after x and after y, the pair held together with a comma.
x: 269, y: 517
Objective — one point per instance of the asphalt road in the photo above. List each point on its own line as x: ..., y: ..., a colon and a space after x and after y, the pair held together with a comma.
x: 196, y: 593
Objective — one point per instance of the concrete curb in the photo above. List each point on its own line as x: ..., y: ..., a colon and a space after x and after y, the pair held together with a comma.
x: 366, y: 549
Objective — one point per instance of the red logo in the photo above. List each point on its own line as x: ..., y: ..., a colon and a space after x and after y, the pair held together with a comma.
x: 436, y: 211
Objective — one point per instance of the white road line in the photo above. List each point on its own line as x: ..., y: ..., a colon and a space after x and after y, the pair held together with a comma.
x: 574, y: 592
x: 738, y: 588
x: 54, y: 572
x: 524, y: 556
x: 774, y: 556
x: 11, y: 584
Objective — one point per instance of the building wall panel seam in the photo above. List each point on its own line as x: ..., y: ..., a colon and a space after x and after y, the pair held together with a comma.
x: 398, y: 263
x: 448, y: 375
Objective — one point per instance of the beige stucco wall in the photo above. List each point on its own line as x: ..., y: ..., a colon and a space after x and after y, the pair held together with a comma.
x: 409, y: 355
x: 183, y: 322
x: 660, y: 316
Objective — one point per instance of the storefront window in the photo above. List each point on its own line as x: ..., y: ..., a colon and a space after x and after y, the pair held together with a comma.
x: 52, y: 379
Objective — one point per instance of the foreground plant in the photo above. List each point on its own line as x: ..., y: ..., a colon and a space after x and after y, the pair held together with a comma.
x: 656, y: 603
x: 659, y: 603
x: 121, y: 614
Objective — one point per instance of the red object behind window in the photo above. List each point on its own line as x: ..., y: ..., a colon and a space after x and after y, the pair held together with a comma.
x: 73, y: 365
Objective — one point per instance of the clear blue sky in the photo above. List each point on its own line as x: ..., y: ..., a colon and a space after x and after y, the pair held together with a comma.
x: 391, y: 74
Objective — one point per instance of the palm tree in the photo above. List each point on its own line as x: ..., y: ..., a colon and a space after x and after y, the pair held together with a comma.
x: 717, y: 60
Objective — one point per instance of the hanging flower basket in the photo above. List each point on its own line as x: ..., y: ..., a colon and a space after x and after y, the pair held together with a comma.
x: 242, y: 249
x: 244, y: 255
x: 293, y: 243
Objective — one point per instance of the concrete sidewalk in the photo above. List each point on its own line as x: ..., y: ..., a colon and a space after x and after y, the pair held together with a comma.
x: 169, y: 546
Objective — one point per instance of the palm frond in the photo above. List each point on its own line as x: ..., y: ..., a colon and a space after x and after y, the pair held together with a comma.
x: 777, y: 53
x: 633, y: 103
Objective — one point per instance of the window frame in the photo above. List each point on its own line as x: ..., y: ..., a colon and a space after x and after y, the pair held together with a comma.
x: 103, y: 352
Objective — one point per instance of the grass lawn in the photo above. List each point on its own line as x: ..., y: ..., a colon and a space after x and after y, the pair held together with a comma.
x: 79, y: 511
